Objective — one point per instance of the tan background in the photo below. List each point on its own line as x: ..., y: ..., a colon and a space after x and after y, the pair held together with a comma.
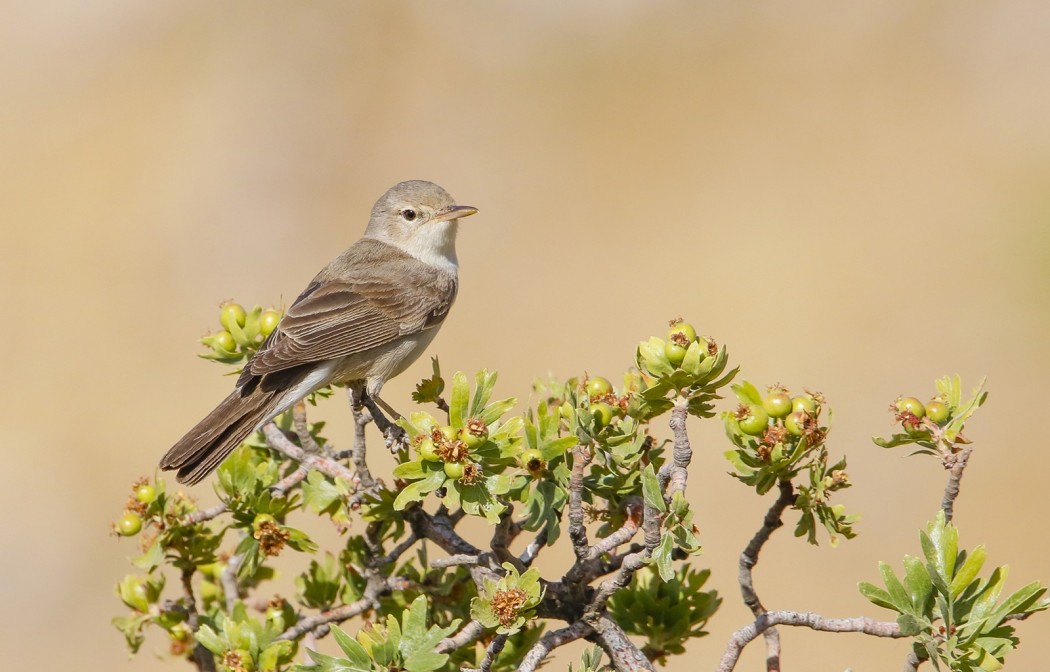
x: 854, y: 198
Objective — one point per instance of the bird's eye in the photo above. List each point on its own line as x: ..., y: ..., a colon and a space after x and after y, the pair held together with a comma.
x: 409, y: 214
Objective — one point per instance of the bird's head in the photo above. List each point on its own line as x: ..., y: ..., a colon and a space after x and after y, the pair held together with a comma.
x: 420, y: 218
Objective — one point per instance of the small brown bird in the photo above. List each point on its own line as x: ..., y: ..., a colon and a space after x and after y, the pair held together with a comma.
x: 362, y: 320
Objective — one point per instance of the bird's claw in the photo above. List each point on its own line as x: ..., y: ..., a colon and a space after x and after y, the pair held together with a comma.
x: 396, y: 438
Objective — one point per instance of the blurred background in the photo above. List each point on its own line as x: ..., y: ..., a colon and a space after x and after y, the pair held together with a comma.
x: 853, y: 197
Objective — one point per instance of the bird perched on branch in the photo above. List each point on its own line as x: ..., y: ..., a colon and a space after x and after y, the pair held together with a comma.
x: 362, y: 320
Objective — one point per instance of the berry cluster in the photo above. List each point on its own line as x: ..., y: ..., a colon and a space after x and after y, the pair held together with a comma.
x: 242, y: 332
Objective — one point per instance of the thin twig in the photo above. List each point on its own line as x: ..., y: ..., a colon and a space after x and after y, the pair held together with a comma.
x: 302, y: 428
x: 581, y: 456
x: 745, y: 635
x: 359, y: 451
x: 276, y: 439
x: 202, y: 657
x: 749, y: 558
x: 621, y: 650
x: 551, y: 641
x: 534, y: 548
x: 492, y: 652
x: 398, y: 551
x: 676, y: 471
x: 460, y: 559
x: 203, y: 515
x: 337, y: 615
x: 228, y: 580
x: 912, y: 662
x: 467, y: 634
x: 955, y: 465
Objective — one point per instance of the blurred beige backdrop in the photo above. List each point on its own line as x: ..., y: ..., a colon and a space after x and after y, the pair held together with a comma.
x: 853, y: 197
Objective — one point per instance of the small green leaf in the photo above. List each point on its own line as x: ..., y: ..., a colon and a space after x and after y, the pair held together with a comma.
x: 651, y: 489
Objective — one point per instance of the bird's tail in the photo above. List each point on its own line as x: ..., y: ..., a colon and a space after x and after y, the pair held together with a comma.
x: 206, y: 445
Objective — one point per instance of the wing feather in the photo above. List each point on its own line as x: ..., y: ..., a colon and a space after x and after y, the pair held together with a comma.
x: 350, y: 308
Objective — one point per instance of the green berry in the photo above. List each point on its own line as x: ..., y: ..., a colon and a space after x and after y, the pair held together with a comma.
x: 224, y: 341
x: 230, y: 314
x: 427, y: 450
x: 937, y: 411
x: 145, y: 493
x: 603, y: 413
x: 911, y: 405
x: 268, y: 321
x: 263, y: 519
x: 795, y: 423
x: 454, y: 470
x: 598, y: 387
x: 683, y: 328
x: 129, y: 524
x: 805, y: 403
x: 532, y: 460
x: 755, y: 422
x: 446, y: 434
x: 777, y: 404
x: 674, y: 352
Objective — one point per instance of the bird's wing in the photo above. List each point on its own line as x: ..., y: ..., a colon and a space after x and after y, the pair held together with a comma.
x: 358, y: 310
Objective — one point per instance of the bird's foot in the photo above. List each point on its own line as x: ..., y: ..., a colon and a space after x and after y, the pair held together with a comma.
x: 396, y: 438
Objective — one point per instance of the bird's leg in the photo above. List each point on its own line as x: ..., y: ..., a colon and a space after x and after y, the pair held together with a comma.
x: 395, y: 437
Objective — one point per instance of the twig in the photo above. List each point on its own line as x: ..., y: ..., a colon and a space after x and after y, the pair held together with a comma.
x: 398, y: 551
x: 439, y: 529
x: 676, y: 472
x: 621, y: 650
x: 337, y: 615
x: 551, y: 641
x: 457, y: 560
x: 577, y: 530
x: 955, y: 465
x: 912, y: 662
x: 749, y: 558
x: 203, y: 515
x: 359, y: 450
x: 467, y: 634
x: 276, y: 439
x: 228, y: 580
x: 745, y: 635
x: 534, y: 548
x: 302, y: 429
x: 493, y: 650
x: 202, y: 657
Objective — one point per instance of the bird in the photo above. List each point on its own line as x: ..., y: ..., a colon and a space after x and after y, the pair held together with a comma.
x: 363, y: 319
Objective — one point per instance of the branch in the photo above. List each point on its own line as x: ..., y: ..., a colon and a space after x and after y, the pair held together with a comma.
x: 551, y: 641
x: 577, y: 530
x: 337, y: 615
x: 358, y: 452
x: 467, y: 634
x: 302, y: 428
x: 202, y: 657
x: 912, y: 662
x: 676, y: 471
x: 621, y: 650
x: 955, y: 464
x: 228, y: 581
x: 745, y: 635
x: 456, y: 561
x: 493, y: 650
x: 438, y: 528
x: 203, y: 515
x: 749, y: 558
x: 276, y: 439
x: 534, y: 548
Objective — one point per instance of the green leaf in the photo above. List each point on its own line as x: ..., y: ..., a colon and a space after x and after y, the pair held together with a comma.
x: 417, y: 490
x: 459, y: 404
x: 967, y: 572
x: 876, y: 595
x: 747, y: 393
x: 918, y: 583
x: 651, y: 489
x: 663, y: 555
x: 900, y: 598
x: 210, y: 640
x: 357, y: 656
x: 910, y: 625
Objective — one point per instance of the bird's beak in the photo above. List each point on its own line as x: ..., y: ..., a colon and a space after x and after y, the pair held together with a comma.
x: 454, y: 212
